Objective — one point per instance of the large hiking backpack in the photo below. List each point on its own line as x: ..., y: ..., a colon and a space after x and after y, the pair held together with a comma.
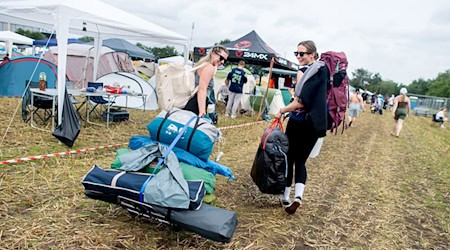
x: 337, y: 91
x: 175, y: 85
x: 269, y: 170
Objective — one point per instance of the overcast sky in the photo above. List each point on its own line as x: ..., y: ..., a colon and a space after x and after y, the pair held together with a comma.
x: 400, y: 39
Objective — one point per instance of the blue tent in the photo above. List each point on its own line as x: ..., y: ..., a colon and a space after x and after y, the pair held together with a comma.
x: 53, y: 42
x: 15, y: 72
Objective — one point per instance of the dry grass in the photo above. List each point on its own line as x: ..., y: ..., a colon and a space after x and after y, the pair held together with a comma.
x: 365, y: 190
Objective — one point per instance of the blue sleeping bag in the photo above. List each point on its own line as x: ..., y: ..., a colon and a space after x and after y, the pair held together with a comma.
x: 138, y: 141
x: 199, y: 138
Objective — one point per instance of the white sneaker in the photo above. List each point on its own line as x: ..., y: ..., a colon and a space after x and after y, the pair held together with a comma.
x: 227, y: 115
x: 233, y: 117
x: 284, y: 203
x: 442, y: 126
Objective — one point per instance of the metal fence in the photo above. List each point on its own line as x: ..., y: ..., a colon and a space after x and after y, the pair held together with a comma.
x: 428, y: 105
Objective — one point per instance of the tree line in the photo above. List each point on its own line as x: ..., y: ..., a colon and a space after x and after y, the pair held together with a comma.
x: 361, y: 78
x: 439, y: 86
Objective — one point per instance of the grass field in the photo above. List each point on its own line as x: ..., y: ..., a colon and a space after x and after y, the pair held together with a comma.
x: 366, y: 190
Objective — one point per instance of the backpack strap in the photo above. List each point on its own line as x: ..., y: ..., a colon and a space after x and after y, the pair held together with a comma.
x: 197, y: 67
x: 269, y: 130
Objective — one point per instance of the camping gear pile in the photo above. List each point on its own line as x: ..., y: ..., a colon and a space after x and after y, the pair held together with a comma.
x: 167, y: 176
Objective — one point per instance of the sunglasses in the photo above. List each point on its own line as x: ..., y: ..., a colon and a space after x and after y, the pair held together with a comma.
x: 296, y: 53
x: 221, y: 57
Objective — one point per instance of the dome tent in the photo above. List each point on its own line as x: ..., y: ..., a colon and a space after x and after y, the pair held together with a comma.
x: 137, y: 85
x: 17, y: 71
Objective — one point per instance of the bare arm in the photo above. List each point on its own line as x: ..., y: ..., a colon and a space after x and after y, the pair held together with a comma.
x: 409, y: 105
x: 395, y: 106
x: 218, y: 93
x: 291, y: 107
x: 205, y: 76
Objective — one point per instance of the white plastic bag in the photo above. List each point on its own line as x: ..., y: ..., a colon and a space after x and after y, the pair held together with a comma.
x: 316, y: 149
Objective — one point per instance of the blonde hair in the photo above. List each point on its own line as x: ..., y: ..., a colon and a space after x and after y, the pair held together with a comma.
x: 208, y: 56
x: 403, y: 97
x: 403, y: 91
x: 310, y: 48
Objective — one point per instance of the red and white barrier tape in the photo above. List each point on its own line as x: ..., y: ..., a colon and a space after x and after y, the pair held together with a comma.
x: 60, y: 154
x: 240, y: 125
x: 31, y: 158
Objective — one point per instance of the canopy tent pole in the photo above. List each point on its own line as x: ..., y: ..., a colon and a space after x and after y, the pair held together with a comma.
x: 97, y: 49
x: 9, y: 47
x: 186, y: 54
x: 62, y: 34
x: 267, y: 90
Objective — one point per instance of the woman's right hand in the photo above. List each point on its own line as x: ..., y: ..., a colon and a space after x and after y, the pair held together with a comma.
x: 278, y: 114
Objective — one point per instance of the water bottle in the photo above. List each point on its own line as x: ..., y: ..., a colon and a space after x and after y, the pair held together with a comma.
x: 42, y: 81
x: 42, y: 76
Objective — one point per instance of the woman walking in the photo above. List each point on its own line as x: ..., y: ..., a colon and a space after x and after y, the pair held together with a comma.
x: 401, y: 109
x: 307, y: 122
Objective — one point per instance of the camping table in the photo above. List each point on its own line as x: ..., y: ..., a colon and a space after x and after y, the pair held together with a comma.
x: 109, y: 96
x: 50, y: 94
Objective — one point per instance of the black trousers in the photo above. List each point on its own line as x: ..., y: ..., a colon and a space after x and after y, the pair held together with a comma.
x: 302, y: 138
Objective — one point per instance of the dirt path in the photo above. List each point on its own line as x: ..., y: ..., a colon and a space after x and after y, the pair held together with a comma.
x: 366, y: 189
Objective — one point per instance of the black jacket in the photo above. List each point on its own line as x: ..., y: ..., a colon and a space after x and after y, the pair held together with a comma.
x: 313, y: 97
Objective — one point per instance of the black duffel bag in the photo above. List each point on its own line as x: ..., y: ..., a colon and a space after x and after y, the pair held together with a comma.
x: 269, y: 170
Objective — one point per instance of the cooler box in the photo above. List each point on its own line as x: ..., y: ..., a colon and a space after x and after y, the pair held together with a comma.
x: 115, y: 115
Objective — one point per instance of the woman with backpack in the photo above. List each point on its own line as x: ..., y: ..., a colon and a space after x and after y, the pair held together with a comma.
x: 307, y: 122
x: 216, y: 56
x: 401, y: 109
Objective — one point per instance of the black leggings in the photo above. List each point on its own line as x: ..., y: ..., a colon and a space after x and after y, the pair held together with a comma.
x: 302, y: 138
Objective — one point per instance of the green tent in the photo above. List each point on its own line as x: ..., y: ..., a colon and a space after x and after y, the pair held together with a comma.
x: 274, y: 98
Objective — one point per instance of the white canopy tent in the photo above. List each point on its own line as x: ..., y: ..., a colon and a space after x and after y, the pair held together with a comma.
x: 11, y: 38
x: 86, y: 18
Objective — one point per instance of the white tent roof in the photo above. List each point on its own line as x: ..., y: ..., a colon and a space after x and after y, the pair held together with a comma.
x: 86, y: 18
x: 15, y: 38
x: 98, y: 17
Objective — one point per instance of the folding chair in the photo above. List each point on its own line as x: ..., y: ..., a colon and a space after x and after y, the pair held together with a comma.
x: 98, y: 100
x: 73, y: 100
x: 42, y: 108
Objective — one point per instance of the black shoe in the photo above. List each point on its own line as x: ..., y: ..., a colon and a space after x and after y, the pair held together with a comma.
x: 293, y: 207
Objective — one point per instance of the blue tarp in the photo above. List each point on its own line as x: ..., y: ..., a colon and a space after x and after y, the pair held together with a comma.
x: 53, y: 42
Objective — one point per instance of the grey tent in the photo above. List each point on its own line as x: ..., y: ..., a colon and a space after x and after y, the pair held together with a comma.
x: 122, y: 45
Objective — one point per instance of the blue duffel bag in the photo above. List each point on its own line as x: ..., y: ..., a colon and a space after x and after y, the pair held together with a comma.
x: 198, y: 139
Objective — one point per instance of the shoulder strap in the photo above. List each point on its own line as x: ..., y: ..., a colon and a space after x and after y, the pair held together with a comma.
x: 198, y: 66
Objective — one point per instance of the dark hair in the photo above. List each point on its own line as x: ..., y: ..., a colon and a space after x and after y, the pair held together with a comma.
x: 310, y: 48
